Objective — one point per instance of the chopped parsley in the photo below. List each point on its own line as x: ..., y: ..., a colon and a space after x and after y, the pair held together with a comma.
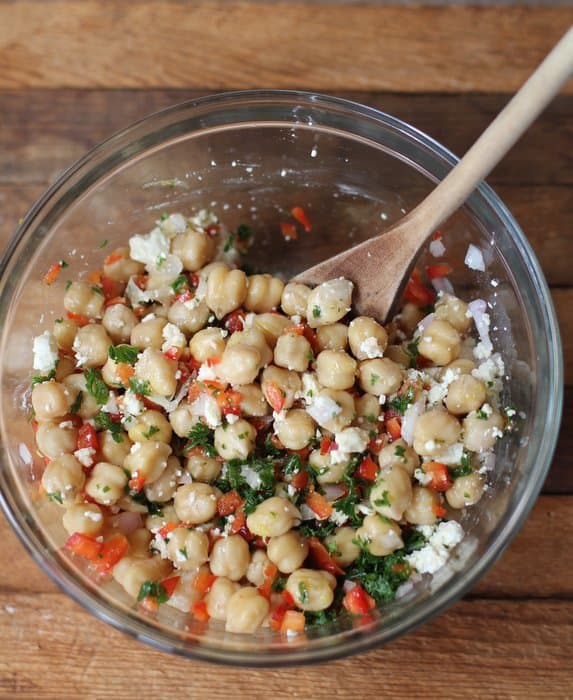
x: 104, y: 421
x: 202, y: 436
x: 400, y: 451
x: 401, y: 402
x: 141, y: 498
x: 279, y: 584
x: 76, y: 405
x: 68, y: 284
x: 96, y: 386
x: 244, y: 232
x: 55, y: 496
x: 180, y: 284
x: 347, y: 506
x: 229, y: 243
x: 63, y: 264
x: 481, y: 414
x: 41, y: 378
x: 97, y: 289
x: 464, y: 469
x: 316, y: 312
x: 126, y: 354
x: 303, y: 592
x: 384, y: 501
x: 413, y: 352
x: 374, y: 378
x: 103, y: 243
x: 149, y: 433
x: 317, y: 528
x: 152, y: 589
x: 140, y: 386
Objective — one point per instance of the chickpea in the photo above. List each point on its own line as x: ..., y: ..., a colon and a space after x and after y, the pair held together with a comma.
x: 288, y: 382
x: 367, y: 338
x: 465, y: 491
x: 440, y: 342
x: 296, y: 429
x: 293, y: 351
x: 167, y: 514
x: 73, y: 385
x: 482, y: 428
x: 112, y: 450
x: 182, y: 419
x: 380, y: 536
x: 49, y: 401
x: 64, y: 368
x: 256, y: 569
x: 460, y: 366
x: 465, y: 394
x: 294, y: 299
x: 246, y: 610
x: 380, y: 376
x: 230, y: 557
x: 423, y: 506
x: 333, y: 410
x: 153, y: 367
x: 148, y: 425
x: 392, y: 492
x: 132, y: 572
x: 226, y: 290
x: 454, y: 311
x: 400, y: 454
x: 190, y: 316
x: 328, y: 472
x: 264, y: 293
x: 367, y: 411
x: 342, y: 546
x: 208, y: 343
x: 253, y: 402
x: 163, y: 488
x: 434, y: 431
x: 139, y: 541
x: 106, y: 483
x: 240, y: 364
x: 195, y: 503
x: 81, y: 298
x: 335, y: 369
x: 288, y: 551
x: 398, y: 354
x: 194, y: 248
x: 91, y: 345
x: 148, y: 334
x: 85, y: 518
x: 188, y: 549
x: 120, y: 267
x: 202, y: 468
x: 329, y: 302
x: 218, y: 597
x: 53, y: 440
x: 409, y: 317
x: 272, y: 325
x: 64, y: 332
x: 310, y: 589
x: 148, y: 460
x: 236, y: 440
x: 332, y: 337
x: 273, y: 517
x: 119, y: 322
x: 252, y: 337
x: 109, y: 374
x: 63, y: 479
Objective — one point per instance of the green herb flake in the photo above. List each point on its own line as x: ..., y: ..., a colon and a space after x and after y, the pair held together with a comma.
x: 229, y: 243
x: 63, y: 264
x: 482, y: 415
x: 400, y: 451
x: 152, y: 589
x: 104, y: 421
x: 464, y: 469
x: 164, y: 216
x: 140, y: 386
x: 202, y: 436
x: 96, y: 386
x: 41, y: 378
x: 76, y: 405
x: 97, y: 289
x: 55, y: 496
x: 68, y: 284
x: 183, y: 553
x: 149, y: 433
x: 374, y: 378
x: 244, y: 232
x: 401, y: 402
x: 126, y: 354
x: 303, y: 592
x: 103, y: 244
x: 180, y: 284
x: 316, y: 312
x: 384, y: 501
x: 413, y: 352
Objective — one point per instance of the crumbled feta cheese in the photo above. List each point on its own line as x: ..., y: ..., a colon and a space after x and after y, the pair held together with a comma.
x: 231, y: 418
x: 436, y: 552
x: 310, y: 388
x: 206, y: 373
x: 251, y: 476
x: 487, y: 409
x: 474, y: 258
x: 437, y: 248
x: 450, y: 455
x: 91, y: 515
x: 149, y: 248
x: 138, y: 296
x: 352, y: 440
x: 132, y: 406
x: 371, y: 348
x: 490, y: 370
x: 338, y: 518
x: 422, y: 477
x: 364, y: 508
x: 439, y: 390
x: 45, y: 350
x: 173, y: 225
x: 204, y: 218
x: 496, y: 432
x: 173, y: 337
x: 206, y: 406
x: 147, y: 318
x: 85, y: 456
x: 482, y: 351
x: 66, y: 424
x: 323, y: 409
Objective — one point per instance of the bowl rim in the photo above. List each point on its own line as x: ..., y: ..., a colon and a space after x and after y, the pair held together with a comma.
x: 439, y: 600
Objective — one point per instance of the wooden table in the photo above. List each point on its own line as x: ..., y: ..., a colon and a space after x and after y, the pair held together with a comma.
x: 73, y: 72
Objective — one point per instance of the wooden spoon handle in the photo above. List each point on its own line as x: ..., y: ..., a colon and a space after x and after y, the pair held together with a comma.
x: 497, y: 139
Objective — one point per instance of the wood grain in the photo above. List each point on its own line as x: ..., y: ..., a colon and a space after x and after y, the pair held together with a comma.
x: 332, y: 47
x: 526, y: 654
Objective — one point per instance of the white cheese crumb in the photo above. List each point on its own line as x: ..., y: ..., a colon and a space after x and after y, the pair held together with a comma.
x: 352, y: 440
x: 422, y: 477
x: 338, y: 517
x: 173, y: 337
x: 206, y: 373
x: 149, y: 248
x: 66, y: 424
x: 85, y: 456
x: 474, y: 258
x: 231, y: 418
x: 437, y: 248
x: 45, y: 352
x: 371, y: 348
x: 324, y: 409
x: 132, y: 406
x: 436, y: 552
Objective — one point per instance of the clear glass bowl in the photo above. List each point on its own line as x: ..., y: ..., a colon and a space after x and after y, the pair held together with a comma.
x: 251, y: 157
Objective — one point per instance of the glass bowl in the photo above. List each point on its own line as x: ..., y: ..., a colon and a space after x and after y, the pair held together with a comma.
x: 251, y: 157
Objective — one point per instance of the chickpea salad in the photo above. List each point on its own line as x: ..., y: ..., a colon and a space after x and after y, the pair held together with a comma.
x: 250, y: 451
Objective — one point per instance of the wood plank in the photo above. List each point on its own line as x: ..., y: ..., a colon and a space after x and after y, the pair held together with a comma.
x: 145, y: 44
x: 526, y: 654
x: 45, y: 131
x: 527, y: 568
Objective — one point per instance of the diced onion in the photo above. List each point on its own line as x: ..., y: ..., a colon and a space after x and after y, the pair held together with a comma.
x: 477, y: 309
x: 474, y: 258
x: 443, y: 284
x: 413, y: 412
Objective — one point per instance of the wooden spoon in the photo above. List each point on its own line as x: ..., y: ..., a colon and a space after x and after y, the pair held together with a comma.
x: 380, y: 266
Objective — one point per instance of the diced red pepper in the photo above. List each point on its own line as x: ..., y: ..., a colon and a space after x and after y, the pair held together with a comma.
x: 114, y: 257
x: 172, y: 353
x: 438, y: 510
x: 277, y: 616
x: 439, y: 474
x: 228, y: 503
x: 137, y: 482
x: 114, y: 301
x: 310, y: 335
x: 141, y: 281
x: 203, y: 582
x: 87, y: 437
x: 270, y: 573
x: 124, y: 372
x: 78, y: 318
x: 416, y: 292
x: 293, y: 621
x: 274, y: 395
x: 84, y: 546
x: 376, y: 444
x: 167, y: 529
x: 299, y: 214
x: 438, y: 270
x: 170, y: 584
x: 327, y: 445
x: 367, y: 469
x: 321, y: 558
x: 229, y: 402
x: 318, y: 503
x: 199, y: 611
x: 212, y: 361
x: 239, y: 526
x: 299, y: 480
x: 357, y: 601
x: 235, y: 321
x: 113, y: 550
x: 394, y: 428
x: 52, y: 274
x: 110, y: 287
x: 288, y: 230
